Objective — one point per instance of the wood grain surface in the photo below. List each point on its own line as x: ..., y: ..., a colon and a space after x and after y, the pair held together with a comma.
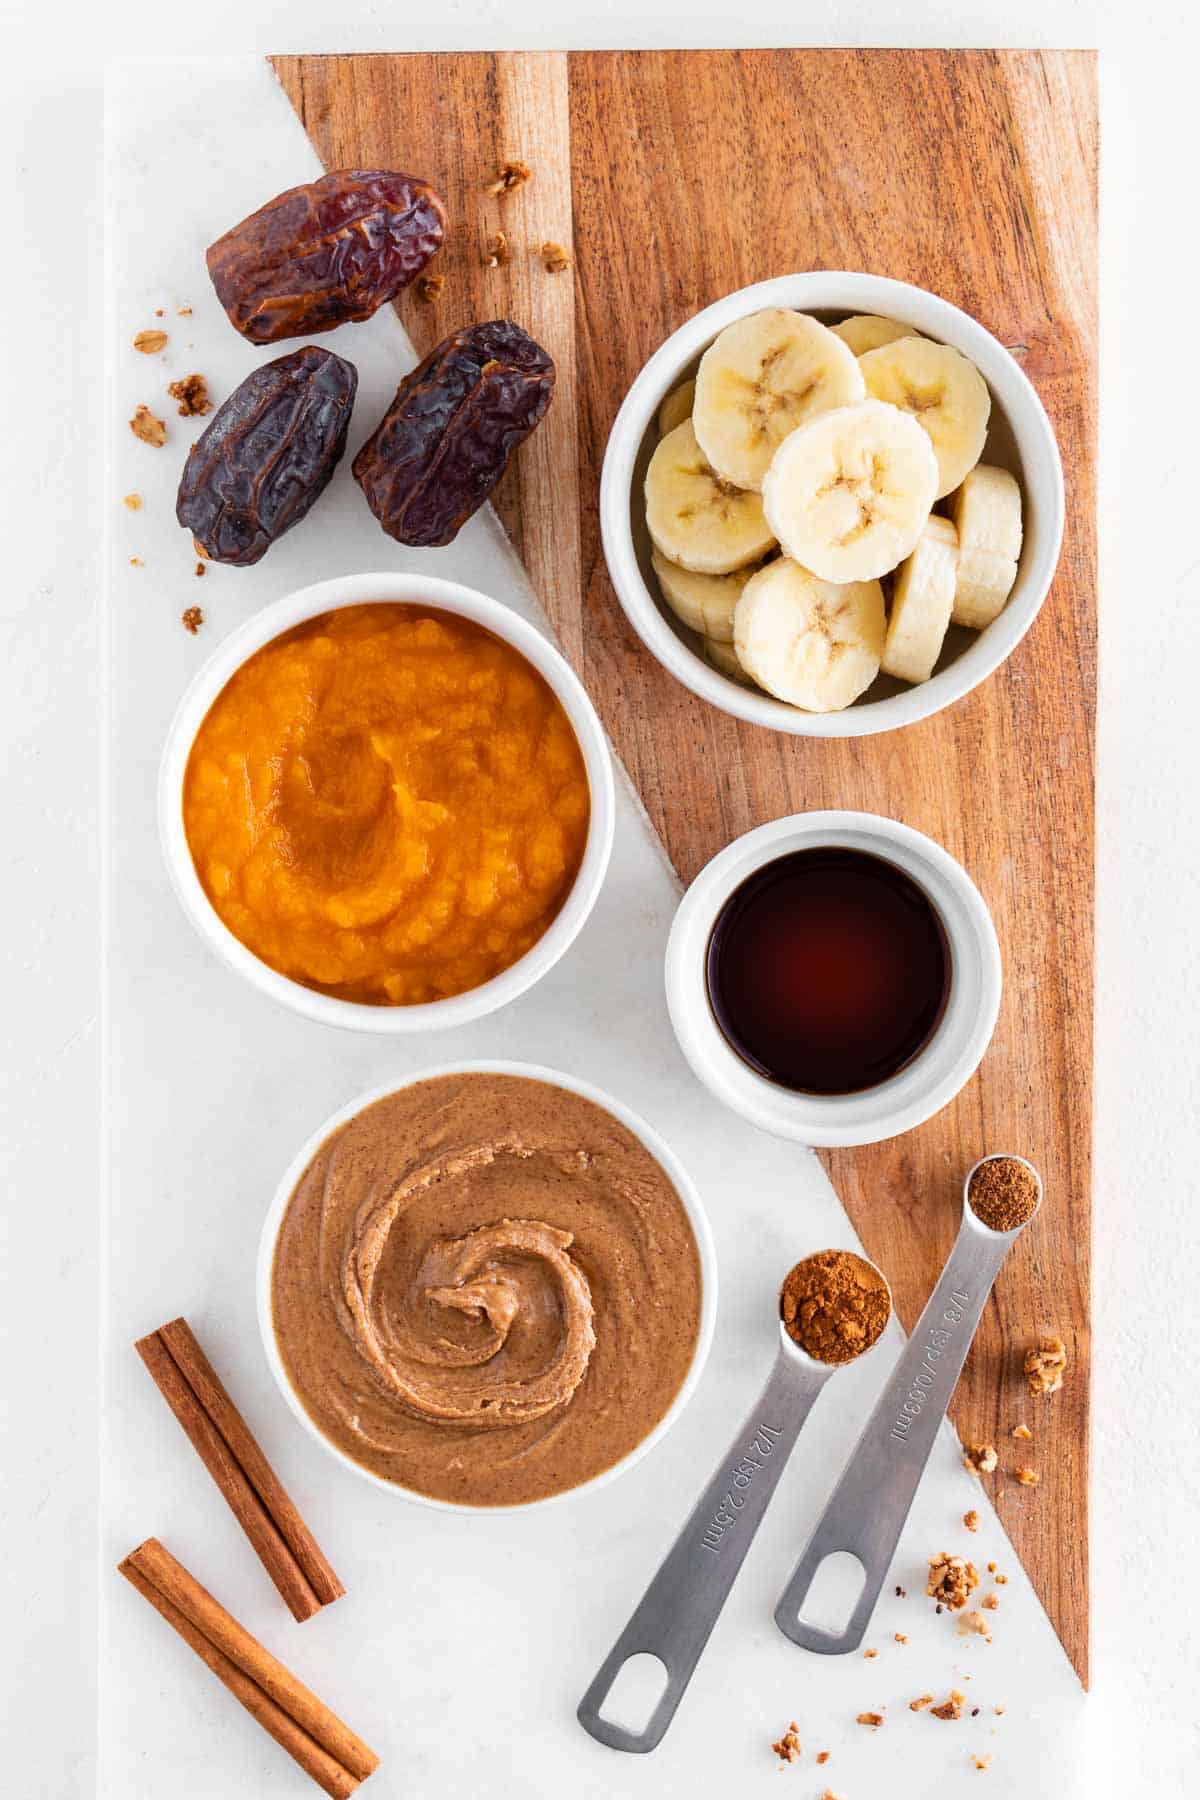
x: 673, y: 178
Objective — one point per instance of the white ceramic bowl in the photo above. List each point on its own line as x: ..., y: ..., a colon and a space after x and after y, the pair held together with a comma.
x: 416, y: 590
x: 1020, y: 438
x: 658, y: 1148
x: 935, y: 1074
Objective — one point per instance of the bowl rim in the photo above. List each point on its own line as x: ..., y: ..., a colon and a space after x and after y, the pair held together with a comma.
x: 829, y: 290
x: 894, y: 1106
x: 653, y: 1141
x: 388, y: 587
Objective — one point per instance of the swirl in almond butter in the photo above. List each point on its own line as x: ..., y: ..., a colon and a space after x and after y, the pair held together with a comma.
x: 486, y: 1289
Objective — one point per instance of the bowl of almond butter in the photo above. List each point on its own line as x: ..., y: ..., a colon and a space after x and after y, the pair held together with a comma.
x: 831, y: 504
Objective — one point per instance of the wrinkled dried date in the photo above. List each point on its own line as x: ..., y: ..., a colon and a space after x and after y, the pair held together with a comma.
x: 445, y: 441
x: 268, y: 454
x: 331, y: 251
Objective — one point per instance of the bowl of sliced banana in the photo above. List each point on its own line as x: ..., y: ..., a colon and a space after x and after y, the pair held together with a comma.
x: 831, y: 504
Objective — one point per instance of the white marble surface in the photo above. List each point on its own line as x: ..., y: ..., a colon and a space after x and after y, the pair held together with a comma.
x: 1141, y: 1729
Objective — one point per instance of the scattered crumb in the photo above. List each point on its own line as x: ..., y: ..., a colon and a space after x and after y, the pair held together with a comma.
x: 981, y: 1762
x: 1045, y: 1366
x: 198, y: 547
x: 554, y: 258
x: 144, y: 425
x: 870, y: 1653
x: 158, y: 312
x: 135, y: 562
x: 150, y: 342
x: 830, y: 1795
x: 951, y: 1708
x: 901, y: 1593
x: 192, y: 395
x: 981, y: 1459
x: 511, y: 174
x: 991, y: 1568
x: 999, y: 1712
x: 975, y: 1621
x: 1028, y: 1477
x: 184, y: 312
x: 200, y: 570
x: 788, y: 1747
x: 430, y: 286
x: 873, y: 1719
x: 496, y: 251
x: 971, y: 1520
x: 990, y: 1602
x: 133, y: 502
x: 1023, y: 1432
x: 951, y: 1580
x: 193, y: 619
x: 822, y: 1757
x: 920, y: 1703
x: 974, y: 1712
x: 900, y: 1638
x: 1001, y: 1580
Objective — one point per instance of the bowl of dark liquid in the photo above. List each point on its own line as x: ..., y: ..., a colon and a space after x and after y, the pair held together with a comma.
x: 835, y: 977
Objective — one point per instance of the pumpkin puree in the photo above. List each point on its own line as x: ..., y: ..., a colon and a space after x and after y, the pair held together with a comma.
x: 387, y: 803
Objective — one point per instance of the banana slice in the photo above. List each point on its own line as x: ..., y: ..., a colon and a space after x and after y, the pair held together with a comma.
x: 867, y: 331
x: 705, y: 603
x: 922, y: 601
x: 987, y: 515
x: 759, y: 380
x: 694, y: 517
x: 944, y: 392
x: 814, y: 643
x: 676, y: 407
x: 847, y: 494
x: 723, y: 658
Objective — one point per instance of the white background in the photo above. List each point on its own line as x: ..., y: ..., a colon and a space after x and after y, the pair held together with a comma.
x: 1147, y: 1460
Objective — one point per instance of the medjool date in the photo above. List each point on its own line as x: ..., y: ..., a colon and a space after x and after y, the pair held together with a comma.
x: 331, y: 251
x: 445, y: 441
x: 268, y: 454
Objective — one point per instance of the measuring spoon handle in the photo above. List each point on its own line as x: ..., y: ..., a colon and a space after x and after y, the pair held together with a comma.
x: 675, y: 1616
x: 867, y: 1510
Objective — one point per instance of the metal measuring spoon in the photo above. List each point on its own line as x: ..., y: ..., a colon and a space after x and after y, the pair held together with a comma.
x: 676, y: 1615
x: 867, y: 1510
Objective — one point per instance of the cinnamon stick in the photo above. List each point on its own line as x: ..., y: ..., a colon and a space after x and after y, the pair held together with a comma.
x: 325, y: 1748
x: 229, y: 1451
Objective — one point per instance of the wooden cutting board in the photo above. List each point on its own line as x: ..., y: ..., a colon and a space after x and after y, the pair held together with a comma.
x: 672, y: 178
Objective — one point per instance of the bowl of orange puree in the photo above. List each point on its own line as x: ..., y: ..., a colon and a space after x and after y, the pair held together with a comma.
x: 387, y: 802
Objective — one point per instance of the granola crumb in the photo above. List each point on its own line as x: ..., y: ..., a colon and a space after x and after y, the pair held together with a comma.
x: 900, y: 1638
x: 990, y: 1602
x: 981, y: 1762
x: 1001, y: 1580
x: 150, y: 342
x: 496, y: 251
x: 150, y: 430
x: 788, y: 1747
x: 901, y: 1593
x: 822, y: 1757
x: 873, y: 1719
x: 920, y: 1703
x: 951, y: 1708
x: 1028, y: 1477
x: 200, y: 569
x: 981, y: 1459
x: 135, y: 562
x: 951, y: 1580
x: 971, y: 1520
x: 830, y: 1795
x: 511, y: 174
x: 975, y: 1621
x: 192, y: 395
x: 1022, y: 1432
x: 133, y: 502
x: 991, y: 1568
x: 1045, y: 1365
x: 999, y: 1711
x: 183, y: 312
x: 430, y: 286
x: 869, y: 1653
x: 554, y: 258
x: 158, y: 312
x: 193, y: 619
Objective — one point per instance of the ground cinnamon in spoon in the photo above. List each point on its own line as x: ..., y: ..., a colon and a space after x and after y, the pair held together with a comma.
x: 834, y: 1305
x: 1003, y: 1193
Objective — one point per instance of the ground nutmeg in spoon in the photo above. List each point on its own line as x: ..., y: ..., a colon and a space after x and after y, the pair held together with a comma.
x: 834, y: 1305
x: 1003, y: 1193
